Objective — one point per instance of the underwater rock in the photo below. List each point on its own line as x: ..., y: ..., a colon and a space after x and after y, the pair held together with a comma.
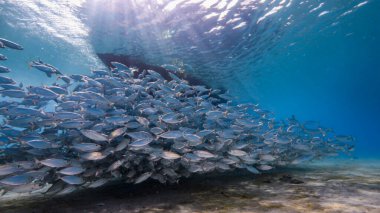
x: 296, y: 181
x: 285, y: 178
x: 267, y: 181
x: 289, y: 179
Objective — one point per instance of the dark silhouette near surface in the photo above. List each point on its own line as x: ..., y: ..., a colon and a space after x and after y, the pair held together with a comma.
x: 129, y: 61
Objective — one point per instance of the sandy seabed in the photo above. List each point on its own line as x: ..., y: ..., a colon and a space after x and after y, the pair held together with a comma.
x: 328, y: 186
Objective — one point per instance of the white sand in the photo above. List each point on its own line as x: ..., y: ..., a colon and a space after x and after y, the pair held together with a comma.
x: 329, y: 186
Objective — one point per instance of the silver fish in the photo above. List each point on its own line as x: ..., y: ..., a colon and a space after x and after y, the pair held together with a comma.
x: 6, y: 80
x: 133, y: 125
x: 44, y: 92
x: 93, y: 156
x: 119, y: 66
x: 39, y: 144
x: 143, y: 177
x: 140, y: 135
x: 156, y: 130
x: 143, y: 121
x: 64, y: 78
x: 252, y: 169
x: 49, y: 71
x: 54, y: 162
x: 117, y: 132
x: 10, y: 87
x: 71, y: 170
x: 17, y: 180
x: 236, y: 152
x: 11, y: 44
x: 9, y: 169
x: 171, y: 134
x: 264, y: 167
x: 98, y: 183
x: 2, y: 68
x: 171, y: 118
x: 67, y: 115
x: 13, y: 93
x: 115, y: 165
x: 141, y: 142
x: 72, y: 180
x: 267, y: 157
x: 122, y: 145
x: 193, y: 139
x: 93, y: 135
x: 87, y: 147
x: 170, y: 155
x: 67, y: 190
x: 204, y: 154
x: 27, y: 188
x: 74, y: 125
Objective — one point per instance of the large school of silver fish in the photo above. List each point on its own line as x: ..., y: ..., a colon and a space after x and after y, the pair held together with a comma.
x: 85, y: 131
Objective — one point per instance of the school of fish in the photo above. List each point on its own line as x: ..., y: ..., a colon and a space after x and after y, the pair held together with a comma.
x: 86, y: 131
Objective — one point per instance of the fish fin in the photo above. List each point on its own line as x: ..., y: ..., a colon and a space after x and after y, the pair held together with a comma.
x: 48, y: 74
x: 36, y: 161
x: 42, y: 112
x: 60, y: 96
x: 82, y: 109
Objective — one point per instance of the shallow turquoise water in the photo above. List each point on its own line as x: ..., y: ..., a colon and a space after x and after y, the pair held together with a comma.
x: 317, y: 60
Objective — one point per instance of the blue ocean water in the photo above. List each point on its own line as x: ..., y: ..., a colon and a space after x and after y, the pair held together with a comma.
x: 317, y: 60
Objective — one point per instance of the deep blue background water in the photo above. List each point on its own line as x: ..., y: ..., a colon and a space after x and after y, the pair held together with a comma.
x: 334, y: 78
x: 318, y: 60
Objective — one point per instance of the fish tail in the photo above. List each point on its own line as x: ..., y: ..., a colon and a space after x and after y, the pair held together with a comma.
x: 60, y: 96
x: 82, y: 109
x: 36, y: 161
